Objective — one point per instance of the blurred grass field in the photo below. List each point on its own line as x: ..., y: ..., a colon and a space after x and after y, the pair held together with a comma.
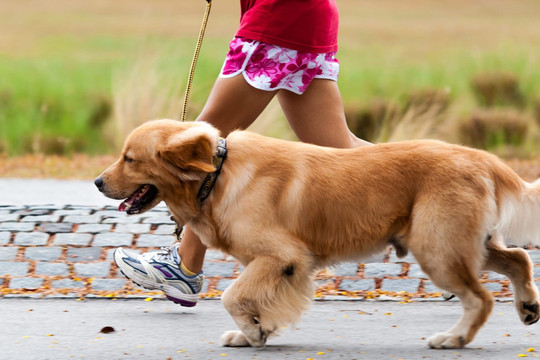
x: 76, y: 76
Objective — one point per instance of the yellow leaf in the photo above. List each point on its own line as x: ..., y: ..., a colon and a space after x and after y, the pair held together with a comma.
x: 522, y: 355
x: 531, y: 350
x: 223, y: 354
x: 388, y: 314
x: 320, y: 353
x: 148, y: 299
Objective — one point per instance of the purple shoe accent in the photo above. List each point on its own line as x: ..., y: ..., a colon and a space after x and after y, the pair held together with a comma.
x: 165, y: 272
x: 181, y: 302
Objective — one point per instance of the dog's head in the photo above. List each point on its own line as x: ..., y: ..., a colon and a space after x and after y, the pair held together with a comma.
x: 158, y: 158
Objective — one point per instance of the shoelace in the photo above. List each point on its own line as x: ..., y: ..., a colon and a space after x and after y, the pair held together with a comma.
x: 163, y: 254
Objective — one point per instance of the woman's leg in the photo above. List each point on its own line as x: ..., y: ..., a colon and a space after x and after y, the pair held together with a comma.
x: 233, y: 104
x: 317, y: 115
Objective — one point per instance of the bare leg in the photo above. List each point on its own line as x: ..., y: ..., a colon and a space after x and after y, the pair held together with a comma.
x: 317, y: 116
x: 233, y: 104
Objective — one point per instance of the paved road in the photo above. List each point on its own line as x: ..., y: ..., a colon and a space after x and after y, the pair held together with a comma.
x: 51, y: 192
x: 63, y: 329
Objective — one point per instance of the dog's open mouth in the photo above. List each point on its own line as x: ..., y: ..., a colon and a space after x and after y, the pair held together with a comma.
x: 136, y: 201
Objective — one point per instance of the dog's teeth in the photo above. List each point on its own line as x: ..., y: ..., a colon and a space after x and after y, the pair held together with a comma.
x: 140, y: 193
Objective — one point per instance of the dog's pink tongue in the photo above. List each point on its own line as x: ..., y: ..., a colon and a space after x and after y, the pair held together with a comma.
x: 126, y: 204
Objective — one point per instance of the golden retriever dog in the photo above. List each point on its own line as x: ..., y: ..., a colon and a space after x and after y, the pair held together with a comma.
x: 287, y: 209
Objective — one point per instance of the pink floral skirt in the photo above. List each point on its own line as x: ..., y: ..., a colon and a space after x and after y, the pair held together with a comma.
x: 270, y: 67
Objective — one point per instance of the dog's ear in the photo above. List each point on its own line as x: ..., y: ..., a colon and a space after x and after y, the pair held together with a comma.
x: 189, y: 154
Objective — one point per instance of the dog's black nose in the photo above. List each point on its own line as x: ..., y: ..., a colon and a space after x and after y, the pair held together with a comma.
x: 99, y: 183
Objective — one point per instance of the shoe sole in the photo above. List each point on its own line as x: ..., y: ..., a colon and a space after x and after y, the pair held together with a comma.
x: 172, y: 293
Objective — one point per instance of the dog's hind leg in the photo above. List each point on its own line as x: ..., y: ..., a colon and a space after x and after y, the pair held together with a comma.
x: 461, y: 279
x: 452, y: 255
x: 516, y: 264
x: 477, y: 305
x: 269, y: 294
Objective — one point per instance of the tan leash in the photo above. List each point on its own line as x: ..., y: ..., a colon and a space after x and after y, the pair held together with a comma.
x: 195, y: 58
x: 179, y: 230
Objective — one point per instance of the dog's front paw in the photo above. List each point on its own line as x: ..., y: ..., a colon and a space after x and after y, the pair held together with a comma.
x: 234, y: 339
x: 529, y: 312
x: 446, y: 341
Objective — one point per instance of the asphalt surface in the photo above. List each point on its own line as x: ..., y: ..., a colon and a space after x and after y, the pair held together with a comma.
x: 51, y: 192
x: 65, y: 329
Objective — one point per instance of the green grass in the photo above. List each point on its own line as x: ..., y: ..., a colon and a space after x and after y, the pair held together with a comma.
x: 76, y: 77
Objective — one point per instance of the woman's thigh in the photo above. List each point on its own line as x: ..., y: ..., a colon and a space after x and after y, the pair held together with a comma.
x: 317, y: 116
x: 234, y: 104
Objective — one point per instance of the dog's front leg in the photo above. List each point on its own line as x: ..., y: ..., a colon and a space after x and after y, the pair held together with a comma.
x: 271, y: 292
x: 251, y: 332
x: 244, y: 315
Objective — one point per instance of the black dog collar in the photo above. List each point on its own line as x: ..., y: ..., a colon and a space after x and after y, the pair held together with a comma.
x: 210, y: 180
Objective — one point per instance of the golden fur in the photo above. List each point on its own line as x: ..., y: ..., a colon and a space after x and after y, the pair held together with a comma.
x: 286, y: 209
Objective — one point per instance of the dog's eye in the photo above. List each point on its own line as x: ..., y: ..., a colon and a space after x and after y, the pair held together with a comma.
x: 127, y: 159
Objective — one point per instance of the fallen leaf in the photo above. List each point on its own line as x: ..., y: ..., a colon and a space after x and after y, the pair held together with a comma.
x: 107, y: 330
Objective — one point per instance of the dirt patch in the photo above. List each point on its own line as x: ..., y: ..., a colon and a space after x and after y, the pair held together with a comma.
x: 76, y: 167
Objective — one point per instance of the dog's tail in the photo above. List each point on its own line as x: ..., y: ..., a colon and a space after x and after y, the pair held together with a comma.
x: 519, y: 208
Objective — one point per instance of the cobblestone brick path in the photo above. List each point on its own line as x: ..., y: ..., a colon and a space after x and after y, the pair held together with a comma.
x: 66, y: 251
